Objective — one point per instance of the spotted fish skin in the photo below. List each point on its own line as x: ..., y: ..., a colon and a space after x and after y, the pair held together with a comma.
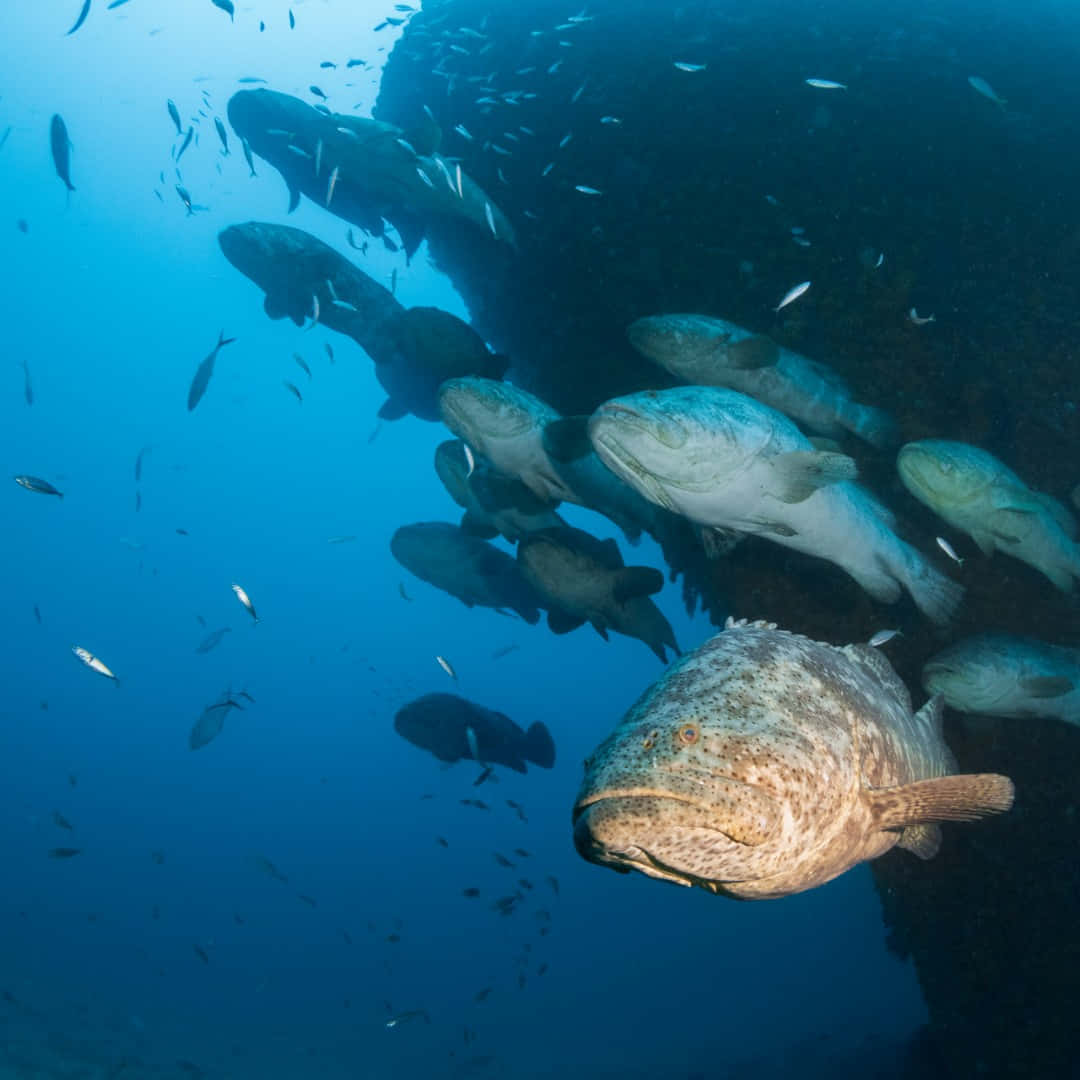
x: 764, y: 764
x: 713, y: 352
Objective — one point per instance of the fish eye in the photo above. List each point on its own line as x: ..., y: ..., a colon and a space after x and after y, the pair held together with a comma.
x: 689, y: 734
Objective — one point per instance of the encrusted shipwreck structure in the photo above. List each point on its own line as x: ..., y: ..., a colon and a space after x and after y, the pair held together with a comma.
x: 655, y: 159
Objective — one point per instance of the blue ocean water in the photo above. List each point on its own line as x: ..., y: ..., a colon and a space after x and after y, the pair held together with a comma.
x: 162, y: 948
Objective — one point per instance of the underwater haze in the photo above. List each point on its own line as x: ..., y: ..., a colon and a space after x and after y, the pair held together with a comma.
x: 221, y: 859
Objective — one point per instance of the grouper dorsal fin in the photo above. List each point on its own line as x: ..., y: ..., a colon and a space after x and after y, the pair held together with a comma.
x: 797, y: 474
x: 963, y: 797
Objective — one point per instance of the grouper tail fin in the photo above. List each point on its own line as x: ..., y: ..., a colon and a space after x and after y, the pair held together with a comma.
x: 539, y: 746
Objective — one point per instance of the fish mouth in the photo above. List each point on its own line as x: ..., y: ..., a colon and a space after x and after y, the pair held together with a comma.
x: 592, y: 816
x: 620, y: 459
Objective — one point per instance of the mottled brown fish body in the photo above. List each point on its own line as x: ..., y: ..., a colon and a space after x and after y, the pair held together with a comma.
x: 765, y: 764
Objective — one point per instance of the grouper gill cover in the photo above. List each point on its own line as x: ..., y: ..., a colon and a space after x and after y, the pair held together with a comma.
x: 540, y: 540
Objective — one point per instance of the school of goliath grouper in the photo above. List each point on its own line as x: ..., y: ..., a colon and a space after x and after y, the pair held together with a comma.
x: 763, y: 762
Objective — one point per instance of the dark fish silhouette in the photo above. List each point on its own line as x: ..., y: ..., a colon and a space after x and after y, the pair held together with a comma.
x: 205, y: 370
x: 35, y: 483
x: 28, y: 389
x: 61, y: 149
x: 440, y: 724
x: 64, y: 852
x: 138, y: 462
x: 225, y: 5
x: 211, y: 640
x: 174, y: 112
x: 222, y: 135
x: 81, y: 19
x: 187, y: 142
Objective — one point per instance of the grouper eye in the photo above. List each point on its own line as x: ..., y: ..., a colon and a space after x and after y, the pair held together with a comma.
x: 689, y: 734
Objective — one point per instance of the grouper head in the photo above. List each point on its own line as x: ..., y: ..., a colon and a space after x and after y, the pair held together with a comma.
x: 698, y: 347
x: 674, y: 796
x: 943, y: 474
x: 975, y: 674
x: 688, y: 439
x: 480, y: 411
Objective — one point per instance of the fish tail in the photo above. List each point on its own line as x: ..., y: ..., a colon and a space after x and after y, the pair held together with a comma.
x: 935, y: 595
x: 539, y: 746
x: 222, y: 340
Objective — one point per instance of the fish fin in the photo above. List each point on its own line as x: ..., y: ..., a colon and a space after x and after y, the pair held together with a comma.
x: 921, y: 840
x: 273, y: 307
x: 752, y: 353
x: 799, y: 473
x: 392, y: 410
x: 1058, y: 512
x: 962, y: 797
x: 607, y: 551
x: 500, y: 365
x: 984, y: 541
x: 567, y: 439
x: 473, y: 525
x: 1047, y: 686
x: 719, y: 542
x: 539, y: 747
x: 599, y: 629
x: 294, y: 197
x: 530, y: 614
x: 932, y: 714
x: 633, y: 581
x: 222, y: 340
x: 559, y: 622
x: 497, y: 492
x: 411, y: 231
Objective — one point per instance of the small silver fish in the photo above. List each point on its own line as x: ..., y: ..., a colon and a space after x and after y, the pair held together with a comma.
x: 792, y: 295
x: 318, y: 156
x: 981, y: 86
x: 463, y: 131
x: 880, y: 260
x: 490, y: 219
x: 882, y: 637
x: 314, y: 311
x: 586, y: 190
x: 474, y: 748
x: 685, y: 65
x: 470, y: 461
x: 446, y: 666
x: 424, y: 176
x: 92, y: 661
x: 948, y: 549
x: 565, y: 140
x: 331, y: 184
x: 244, y: 599
x: 610, y: 120
x: 825, y: 84
x: 457, y: 176
x: 918, y: 320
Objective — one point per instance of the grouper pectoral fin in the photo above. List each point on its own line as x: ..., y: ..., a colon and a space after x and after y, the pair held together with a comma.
x: 1047, y: 686
x: 634, y: 581
x: 753, y: 353
x: 963, y: 797
x: 797, y: 474
x: 473, y: 525
x: 274, y: 307
x: 392, y: 409
x: 559, y: 622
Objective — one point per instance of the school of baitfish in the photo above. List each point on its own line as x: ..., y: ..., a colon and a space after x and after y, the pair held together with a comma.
x: 761, y: 763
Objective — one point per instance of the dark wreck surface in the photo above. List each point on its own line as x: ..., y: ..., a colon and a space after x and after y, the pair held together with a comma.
x: 703, y: 176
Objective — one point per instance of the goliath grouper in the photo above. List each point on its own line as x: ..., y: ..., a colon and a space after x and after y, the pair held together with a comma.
x: 764, y: 764
x: 976, y: 493
x: 727, y: 462
x: 453, y: 729
x: 464, y: 566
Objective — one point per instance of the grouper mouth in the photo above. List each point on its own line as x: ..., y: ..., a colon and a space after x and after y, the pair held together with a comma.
x: 632, y: 816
